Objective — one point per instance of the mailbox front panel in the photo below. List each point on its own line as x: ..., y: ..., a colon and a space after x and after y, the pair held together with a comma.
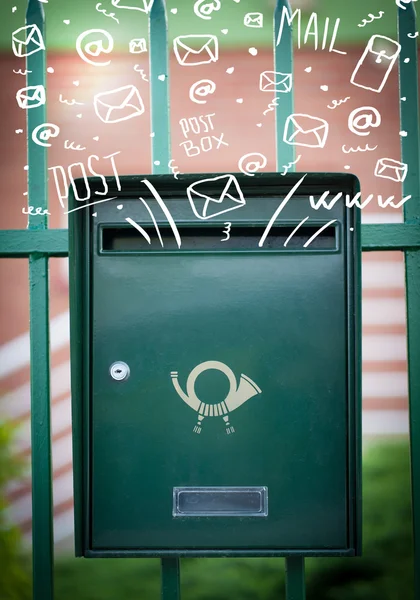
x: 235, y: 429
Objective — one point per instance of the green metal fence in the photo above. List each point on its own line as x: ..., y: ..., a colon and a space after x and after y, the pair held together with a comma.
x: 39, y: 244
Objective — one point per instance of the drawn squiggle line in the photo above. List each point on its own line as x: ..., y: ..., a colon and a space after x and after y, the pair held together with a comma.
x: 70, y: 146
x: 413, y: 35
x: 338, y: 102
x: 226, y: 231
x: 372, y: 18
x: 287, y: 167
x: 70, y: 102
x: 271, y: 106
x: 175, y: 170
x: 103, y: 11
x: 358, y: 149
x: 19, y: 72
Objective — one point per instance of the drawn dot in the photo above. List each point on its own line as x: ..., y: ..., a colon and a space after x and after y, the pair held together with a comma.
x: 96, y: 138
x: 351, y: 228
x: 324, y: 88
x: 50, y: 70
x: 94, y: 214
x: 26, y: 167
x: 14, y: 9
x: 406, y: 60
x: 308, y: 69
x: 79, y: 116
x: 230, y: 70
x: 347, y: 167
x: 253, y: 51
x: 76, y: 83
x: 403, y: 98
x: 156, y: 162
x: 162, y: 77
x: 152, y: 134
x: 66, y: 21
x: 120, y: 206
x: 18, y: 130
x: 174, y: 11
x: 403, y: 133
x: 224, y: 31
x: 259, y: 124
x: 239, y: 100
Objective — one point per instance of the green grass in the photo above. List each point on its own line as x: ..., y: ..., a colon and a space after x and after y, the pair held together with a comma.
x: 385, y: 572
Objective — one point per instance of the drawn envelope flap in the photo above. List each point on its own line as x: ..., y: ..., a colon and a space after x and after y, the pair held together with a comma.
x: 217, y: 196
x: 390, y: 163
x: 204, y: 46
x: 275, y: 78
x: 27, y: 34
x: 118, y: 98
x: 384, y: 47
x: 254, y: 18
x: 310, y: 126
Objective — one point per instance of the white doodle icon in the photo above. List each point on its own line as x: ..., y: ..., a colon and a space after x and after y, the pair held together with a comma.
x: 237, y: 394
x: 362, y: 118
x: 44, y: 132
x: 24, y: 38
x: 255, y: 20
x: 402, y: 3
x: 141, y: 5
x: 207, y: 50
x: 204, y: 8
x: 95, y: 47
x: 305, y: 130
x: 227, y: 196
x: 387, y: 168
x: 273, y: 81
x: 200, y: 89
x: 31, y: 97
x: 250, y: 167
x: 384, y: 51
x: 118, y: 105
x: 137, y: 46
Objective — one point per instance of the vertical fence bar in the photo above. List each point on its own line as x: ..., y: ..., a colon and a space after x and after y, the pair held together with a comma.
x: 409, y: 114
x: 283, y: 63
x: 159, y: 90
x: 42, y: 502
x: 161, y: 151
x: 295, y: 578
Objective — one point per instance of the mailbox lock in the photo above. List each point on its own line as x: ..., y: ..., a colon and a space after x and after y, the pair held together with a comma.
x: 119, y: 371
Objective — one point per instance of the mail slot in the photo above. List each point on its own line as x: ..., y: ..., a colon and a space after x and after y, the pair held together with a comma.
x: 215, y: 340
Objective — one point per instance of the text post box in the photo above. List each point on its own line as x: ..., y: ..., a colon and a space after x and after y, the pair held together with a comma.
x: 216, y: 365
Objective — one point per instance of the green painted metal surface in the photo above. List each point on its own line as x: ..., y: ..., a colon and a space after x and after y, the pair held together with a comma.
x: 264, y: 312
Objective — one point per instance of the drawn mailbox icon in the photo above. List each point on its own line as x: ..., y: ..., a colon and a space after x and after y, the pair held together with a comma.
x: 215, y: 384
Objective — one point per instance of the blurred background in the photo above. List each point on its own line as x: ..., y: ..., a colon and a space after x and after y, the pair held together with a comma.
x: 238, y: 105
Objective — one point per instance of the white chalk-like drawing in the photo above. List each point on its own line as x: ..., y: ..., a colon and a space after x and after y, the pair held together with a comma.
x: 402, y: 3
x: 196, y: 126
x: 338, y: 102
x: 226, y: 231
x: 138, y: 69
x: 205, y: 8
x: 236, y: 397
x: 31, y: 96
x: 253, y: 51
x: 317, y: 233
x: 20, y: 72
x: 118, y: 105
x: 165, y: 211
x: 273, y: 81
x: 201, y: 89
x: 367, y: 148
x: 384, y: 51
x: 96, y: 47
x: 255, y: 20
x: 312, y: 31
x: 294, y: 231
x: 413, y: 35
x: 388, y: 168
x: 206, y: 51
x: 31, y: 210
x: 27, y: 40
x: 70, y: 146
x: 139, y: 229
x: 355, y: 201
x: 140, y: 5
x: 370, y: 19
x: 175, y: 170
x: 205, y: 145
x: 290, y: 164
x: 363, y: 118
x: 71, y: 102
x: 137, y: 46
x: 278, y: 211
x: 89, y: 204
x: 226, y: 195
x: 250, y: 167
x: 106, y: 14
x: 44, y: 132
x: 153, y: 220
x: 272, y: 105
x: 305, y: 130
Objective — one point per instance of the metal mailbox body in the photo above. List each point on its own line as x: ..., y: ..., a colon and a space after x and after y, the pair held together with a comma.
x: 258, y: 452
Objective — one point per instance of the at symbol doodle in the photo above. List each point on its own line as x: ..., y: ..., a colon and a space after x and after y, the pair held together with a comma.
x: 204, y: 8
x: 362, y: 118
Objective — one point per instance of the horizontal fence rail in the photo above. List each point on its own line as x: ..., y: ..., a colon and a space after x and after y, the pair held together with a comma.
x: 38, y: 244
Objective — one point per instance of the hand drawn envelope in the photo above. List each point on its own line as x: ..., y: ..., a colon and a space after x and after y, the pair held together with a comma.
x: 31, y: 97
x: 118, y: 105
x: 141, y: 5
x: 273, y: 81
x: 207, y: 50
x: 304, y: 130
x: 138, y: 46
x: 253, y: 20
x: 387, y: 168
x: 225, y: 195
x: 25, y: 38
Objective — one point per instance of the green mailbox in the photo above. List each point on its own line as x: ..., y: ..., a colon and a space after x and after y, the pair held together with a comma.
x: 216, y: 365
